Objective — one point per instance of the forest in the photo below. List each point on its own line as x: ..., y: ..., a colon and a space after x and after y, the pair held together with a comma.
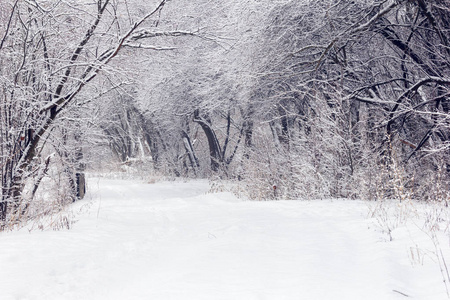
x: 285, y: 99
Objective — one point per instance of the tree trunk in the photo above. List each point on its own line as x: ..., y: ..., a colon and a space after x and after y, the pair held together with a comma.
x: 190, y: 151
x: 215, y: 152
x: 80, y: 185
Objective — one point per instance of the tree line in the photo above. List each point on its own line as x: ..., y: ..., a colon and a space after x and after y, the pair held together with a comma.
x: 318, y: 98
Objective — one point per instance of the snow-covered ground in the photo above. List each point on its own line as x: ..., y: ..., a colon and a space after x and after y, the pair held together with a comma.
x: 173, y: 240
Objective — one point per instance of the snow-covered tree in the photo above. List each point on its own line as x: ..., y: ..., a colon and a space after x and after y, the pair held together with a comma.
x: 49, y: 53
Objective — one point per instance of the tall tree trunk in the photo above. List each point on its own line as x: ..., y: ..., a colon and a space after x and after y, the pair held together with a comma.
x: 190, y: 151
x: 215, y: 152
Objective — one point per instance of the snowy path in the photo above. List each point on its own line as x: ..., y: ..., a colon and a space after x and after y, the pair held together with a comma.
x: 174, y: 241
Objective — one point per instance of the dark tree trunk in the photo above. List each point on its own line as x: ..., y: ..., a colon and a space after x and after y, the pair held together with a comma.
x: 80, y: 185
x: 215, y: 152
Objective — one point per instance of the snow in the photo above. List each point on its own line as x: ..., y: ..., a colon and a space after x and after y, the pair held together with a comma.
x: 174, y: 240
